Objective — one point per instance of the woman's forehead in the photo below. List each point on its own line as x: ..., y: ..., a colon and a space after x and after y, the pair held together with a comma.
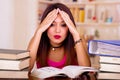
x: 59, y: 18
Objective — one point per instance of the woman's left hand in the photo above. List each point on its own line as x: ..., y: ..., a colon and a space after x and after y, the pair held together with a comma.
x: 70, y: 25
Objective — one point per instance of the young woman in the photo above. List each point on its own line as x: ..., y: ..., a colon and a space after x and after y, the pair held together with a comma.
x: 56, y: 41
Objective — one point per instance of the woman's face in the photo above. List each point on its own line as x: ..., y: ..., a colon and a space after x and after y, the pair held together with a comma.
x: 58, y: 31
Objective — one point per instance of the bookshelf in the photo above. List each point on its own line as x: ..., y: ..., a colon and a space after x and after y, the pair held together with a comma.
x: 105, y: 28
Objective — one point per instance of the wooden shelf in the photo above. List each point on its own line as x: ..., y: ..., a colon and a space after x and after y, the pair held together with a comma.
x: 81, y: 3
x: 47, y: 2
x: 98, y: 24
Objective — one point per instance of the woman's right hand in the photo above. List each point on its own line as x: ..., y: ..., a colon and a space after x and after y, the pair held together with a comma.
x: 34, y: 43
x: 45, y: 24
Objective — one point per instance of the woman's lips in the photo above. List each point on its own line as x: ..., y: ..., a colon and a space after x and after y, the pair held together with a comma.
x: 57, y: 36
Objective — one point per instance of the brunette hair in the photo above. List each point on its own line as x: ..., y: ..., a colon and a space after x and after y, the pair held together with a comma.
x: 44, y: 46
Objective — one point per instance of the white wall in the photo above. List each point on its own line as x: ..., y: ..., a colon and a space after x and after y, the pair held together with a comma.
x: 6, y: 23
x: 25, y: 21
x: 18, y: 20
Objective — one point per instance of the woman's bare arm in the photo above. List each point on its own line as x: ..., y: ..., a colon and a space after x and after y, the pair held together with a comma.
x: 34, y: 43
x: 82, y: 55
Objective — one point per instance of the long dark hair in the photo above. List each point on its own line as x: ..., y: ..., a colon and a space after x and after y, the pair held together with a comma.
x: 44, y: 46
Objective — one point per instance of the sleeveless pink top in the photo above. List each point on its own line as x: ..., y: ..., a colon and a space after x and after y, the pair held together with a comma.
x: 59, y: 64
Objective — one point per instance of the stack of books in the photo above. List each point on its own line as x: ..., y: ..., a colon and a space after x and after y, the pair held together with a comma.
x: 109, y: 57
x: 14, y: 63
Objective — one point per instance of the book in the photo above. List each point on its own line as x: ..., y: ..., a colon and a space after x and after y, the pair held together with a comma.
x: 108, y: 76
x: 13, y: 54
x: 104, y: 47
x: 14, y: 64
x: 70, y: 71
x: 109, y: 67
x: 108, y: 59
x: 22, y: 74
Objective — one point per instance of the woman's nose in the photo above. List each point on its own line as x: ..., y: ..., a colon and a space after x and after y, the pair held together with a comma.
x: 58, y: 28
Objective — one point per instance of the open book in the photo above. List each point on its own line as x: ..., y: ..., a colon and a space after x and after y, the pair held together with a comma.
x: 69, y: 71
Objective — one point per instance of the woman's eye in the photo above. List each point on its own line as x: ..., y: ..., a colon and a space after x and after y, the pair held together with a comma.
x: 64, y: 25
x: 52, y: 25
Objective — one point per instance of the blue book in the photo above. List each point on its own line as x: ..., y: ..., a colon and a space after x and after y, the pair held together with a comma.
x: 104, y: 47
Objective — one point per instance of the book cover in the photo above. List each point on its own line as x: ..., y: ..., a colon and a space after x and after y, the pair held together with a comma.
x: 13, y: 54
x: 14, y: 74
x: 69, y: 71
x: 14, y: 64
x: 104, y: 47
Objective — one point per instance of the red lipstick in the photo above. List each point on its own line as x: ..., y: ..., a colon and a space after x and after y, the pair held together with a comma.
x: 57, y: 36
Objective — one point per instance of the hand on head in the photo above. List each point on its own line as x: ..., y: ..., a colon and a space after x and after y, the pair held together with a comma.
x: 69, y: 24
x: 68, y: 21
x: 52, y: 16
x: 48, y: 20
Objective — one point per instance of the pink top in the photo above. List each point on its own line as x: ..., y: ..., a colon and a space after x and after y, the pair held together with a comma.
x: 59, y: 64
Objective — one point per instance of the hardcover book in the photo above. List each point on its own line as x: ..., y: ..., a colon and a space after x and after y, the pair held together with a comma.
x: 14, y: 74
x: 104, y: 47
x: 69, y: 71
x: 13, y: 54
x: 108, y: 76
x: 108, y: 59
x: 14, y: 64
x: 110, y: 67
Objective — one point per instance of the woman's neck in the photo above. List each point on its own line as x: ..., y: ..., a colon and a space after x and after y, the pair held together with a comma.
x: 57, y: 54
x: 56, y: 47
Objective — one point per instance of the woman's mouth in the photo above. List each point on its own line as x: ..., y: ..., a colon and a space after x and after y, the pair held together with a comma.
x: 57, y: 36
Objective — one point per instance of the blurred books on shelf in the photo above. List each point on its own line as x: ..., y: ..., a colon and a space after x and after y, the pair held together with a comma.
x: 13, y: 63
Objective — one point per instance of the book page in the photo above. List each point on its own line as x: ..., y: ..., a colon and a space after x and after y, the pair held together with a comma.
x: 75, y: 71
x: 46, y: 72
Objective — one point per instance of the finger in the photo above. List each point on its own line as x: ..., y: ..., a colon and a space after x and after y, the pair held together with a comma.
x: 58, y: 9
x: 68, y: 22
x: 66, y: 18
x: 53, y: 11
x: 48, y: 20
x: 51, y: 16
